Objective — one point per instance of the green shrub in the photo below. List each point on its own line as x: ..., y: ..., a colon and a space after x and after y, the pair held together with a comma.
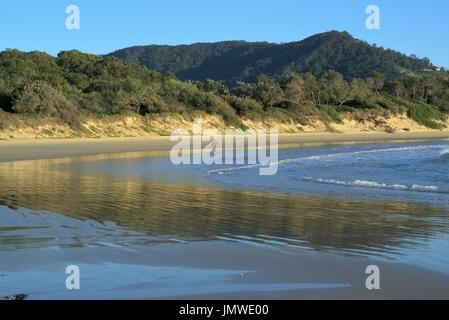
x: 425, y: 115
x: 246, y: 107
x: 331, y: 112
x: 41, y: 98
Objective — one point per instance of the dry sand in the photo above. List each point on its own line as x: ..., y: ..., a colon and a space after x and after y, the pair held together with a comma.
x: 32, y: 149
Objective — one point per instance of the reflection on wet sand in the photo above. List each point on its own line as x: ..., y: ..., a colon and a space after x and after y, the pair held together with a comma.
x: 168, y: 212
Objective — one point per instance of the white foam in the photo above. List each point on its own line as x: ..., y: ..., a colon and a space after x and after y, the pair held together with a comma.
x: 377, y: 185
x: 333, y: 156
x: 418, y: 187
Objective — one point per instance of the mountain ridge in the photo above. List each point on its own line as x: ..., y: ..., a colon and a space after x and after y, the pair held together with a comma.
x: 238, y: 60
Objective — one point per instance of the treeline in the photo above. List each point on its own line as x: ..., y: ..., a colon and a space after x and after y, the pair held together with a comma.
x: 233, y: 61
x: 75, y: 84
x: 425, y: 99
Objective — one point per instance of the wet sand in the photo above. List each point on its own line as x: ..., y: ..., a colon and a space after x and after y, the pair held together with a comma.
x: 212, y: 270
x: 14, y: 150
x: 201, y: 268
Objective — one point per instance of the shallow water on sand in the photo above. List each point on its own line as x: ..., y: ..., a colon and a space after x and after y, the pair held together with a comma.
x: 131, y: 205
x: 417, y: 171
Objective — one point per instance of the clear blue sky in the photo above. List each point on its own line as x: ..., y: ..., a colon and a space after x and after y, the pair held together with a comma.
x: 419, y: 27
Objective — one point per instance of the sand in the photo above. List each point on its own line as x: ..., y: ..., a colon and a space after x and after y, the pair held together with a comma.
x: 33, y: 149
x: 233, y: 270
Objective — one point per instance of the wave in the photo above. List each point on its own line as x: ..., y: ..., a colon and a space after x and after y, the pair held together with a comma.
x: 226, y: 171
x: 377, y: 185
x: 444, y: 155
x: 442, y: 158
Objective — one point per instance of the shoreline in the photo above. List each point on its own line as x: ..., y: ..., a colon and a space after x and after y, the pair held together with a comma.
x: 33, y: 149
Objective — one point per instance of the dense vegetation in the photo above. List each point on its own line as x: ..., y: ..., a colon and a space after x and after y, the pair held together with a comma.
x: 75, y: 84
x: 233, y: 61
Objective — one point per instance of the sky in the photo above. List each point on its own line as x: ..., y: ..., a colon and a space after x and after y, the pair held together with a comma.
x: 412, y: 27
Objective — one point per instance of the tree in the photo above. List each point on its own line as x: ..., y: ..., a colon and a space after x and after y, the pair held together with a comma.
x: 244, y: 90
x: 41, y: 98
x: 335, y: 90
x: 376, y: 81
x: 312, y: 89
x: 411, y: 87
x: 360, y: 90
x: 267, y: 91
x: 395, y: 88
x: 293, y: 86
x: 214, y: 87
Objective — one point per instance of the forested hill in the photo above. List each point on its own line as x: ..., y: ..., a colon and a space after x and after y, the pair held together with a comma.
x: 75, y: 85
x: 234, y: 61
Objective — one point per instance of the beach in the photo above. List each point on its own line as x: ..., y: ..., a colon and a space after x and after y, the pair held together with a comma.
x: 32, y: 149
x: 139, y: 227
x: 224, y: 151
x: 215, y: 271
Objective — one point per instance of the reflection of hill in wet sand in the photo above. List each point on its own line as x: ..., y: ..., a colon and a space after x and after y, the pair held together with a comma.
x: 189, y: 212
